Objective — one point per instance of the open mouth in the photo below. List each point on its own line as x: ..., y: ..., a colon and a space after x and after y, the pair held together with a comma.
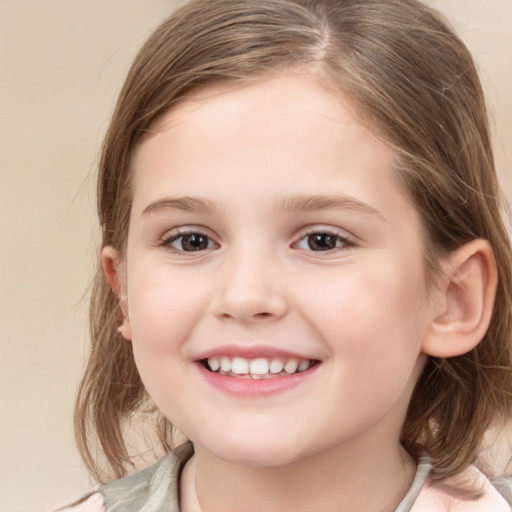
x: 257, y: 368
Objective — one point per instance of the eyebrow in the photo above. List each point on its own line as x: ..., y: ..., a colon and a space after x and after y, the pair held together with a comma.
x: 295, y: 203
x: 311, y: 203
x: 185, y: 204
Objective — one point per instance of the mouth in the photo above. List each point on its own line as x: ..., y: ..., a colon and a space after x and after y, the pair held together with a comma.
x: 257, y: 368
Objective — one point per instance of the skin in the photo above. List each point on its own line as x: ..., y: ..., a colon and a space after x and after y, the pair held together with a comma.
x: 361, y: 310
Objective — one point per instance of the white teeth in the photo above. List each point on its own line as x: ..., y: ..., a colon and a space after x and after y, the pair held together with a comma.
x: 225, y: 364
x: 303, y: 365
x: 240, y: 366
x: 291, y: 366
x: 214, y: 364
x: 276, y: 366
x: 258, y: 366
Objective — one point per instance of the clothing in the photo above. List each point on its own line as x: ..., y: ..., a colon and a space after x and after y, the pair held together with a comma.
x: 155, y: 489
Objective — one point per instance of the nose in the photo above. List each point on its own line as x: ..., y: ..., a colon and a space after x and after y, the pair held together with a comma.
x: 250, y: 290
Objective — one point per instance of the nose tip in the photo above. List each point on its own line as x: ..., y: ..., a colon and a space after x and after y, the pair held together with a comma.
x: 243, y: 308
x: 250, y: 295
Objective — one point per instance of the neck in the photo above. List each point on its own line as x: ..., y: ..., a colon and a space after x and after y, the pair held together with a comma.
x: 369, y: 477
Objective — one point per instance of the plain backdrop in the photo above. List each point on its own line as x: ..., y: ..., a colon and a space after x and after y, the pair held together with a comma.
x: 61, y: 65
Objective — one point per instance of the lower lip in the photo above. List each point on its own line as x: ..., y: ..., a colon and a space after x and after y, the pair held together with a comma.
x: 244, y: 387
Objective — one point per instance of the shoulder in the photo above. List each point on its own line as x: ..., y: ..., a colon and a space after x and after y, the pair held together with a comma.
x: 150, y: 489
x: 93, y: 503
x: 155, y: 487
x: 469, y: 491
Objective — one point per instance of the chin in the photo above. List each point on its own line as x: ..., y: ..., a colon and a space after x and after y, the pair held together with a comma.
x: 257, y: 458
x: 255, y: 451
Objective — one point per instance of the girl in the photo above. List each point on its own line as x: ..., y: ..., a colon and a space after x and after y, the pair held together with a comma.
x: 304, y: 267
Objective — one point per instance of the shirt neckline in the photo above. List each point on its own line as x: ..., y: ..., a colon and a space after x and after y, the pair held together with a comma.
x: 422, y: 472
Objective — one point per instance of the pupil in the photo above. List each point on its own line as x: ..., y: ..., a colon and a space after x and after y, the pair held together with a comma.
x: 194, y: 242
x: 321, y: 242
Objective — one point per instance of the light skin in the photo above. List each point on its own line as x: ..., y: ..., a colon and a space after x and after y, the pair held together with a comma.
x: 266, y: 215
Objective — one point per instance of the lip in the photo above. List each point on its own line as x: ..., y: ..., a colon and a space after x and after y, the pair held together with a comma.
x: 250, y: 352
x: 255, y: 388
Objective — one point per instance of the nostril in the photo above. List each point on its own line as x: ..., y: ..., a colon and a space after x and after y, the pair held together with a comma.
x: 263, y: 315
x: 249, y: 305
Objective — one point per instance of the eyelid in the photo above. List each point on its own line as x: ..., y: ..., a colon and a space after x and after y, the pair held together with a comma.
x: 349, y: 241
x: 172, y: 235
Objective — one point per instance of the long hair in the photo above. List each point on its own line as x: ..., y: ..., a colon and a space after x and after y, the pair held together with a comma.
x: 416, y: 86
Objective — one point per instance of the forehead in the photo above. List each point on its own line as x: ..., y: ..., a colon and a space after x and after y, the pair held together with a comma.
x: 291, y: 89
x: 288, y: 133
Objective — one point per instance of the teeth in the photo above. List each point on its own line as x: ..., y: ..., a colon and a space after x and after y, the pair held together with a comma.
x: 259, y: 368
x: 225, y: 364
x: 214, y: 364
x: 240, y: 366
x: 291, y: 366
x: 276, y: 366
x: 303, y: 365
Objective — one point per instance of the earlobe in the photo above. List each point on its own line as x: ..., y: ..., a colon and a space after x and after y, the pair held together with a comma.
x: 467, y: 291
x: 111, y: 263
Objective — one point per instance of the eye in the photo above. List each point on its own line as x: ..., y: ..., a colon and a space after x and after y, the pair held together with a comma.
x: 190, y: 242
x: 323, y: 241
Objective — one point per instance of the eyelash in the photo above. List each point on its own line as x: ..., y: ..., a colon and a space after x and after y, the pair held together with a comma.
x: 342, y: 242
x: 167, y: 241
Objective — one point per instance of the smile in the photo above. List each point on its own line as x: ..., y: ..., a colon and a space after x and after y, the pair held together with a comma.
x: 257, y: 368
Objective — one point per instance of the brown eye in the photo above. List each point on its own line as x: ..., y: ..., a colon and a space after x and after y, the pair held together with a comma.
x: 191, y: 242
x: 323, y: 241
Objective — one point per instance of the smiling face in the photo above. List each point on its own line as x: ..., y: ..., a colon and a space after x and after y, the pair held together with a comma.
x: 275, y: 284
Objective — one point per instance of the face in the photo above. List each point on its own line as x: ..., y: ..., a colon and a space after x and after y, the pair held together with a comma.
x: 275, y: 283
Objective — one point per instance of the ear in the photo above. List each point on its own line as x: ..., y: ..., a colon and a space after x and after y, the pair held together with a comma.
x: 111, y: 263
x: 465, y: 301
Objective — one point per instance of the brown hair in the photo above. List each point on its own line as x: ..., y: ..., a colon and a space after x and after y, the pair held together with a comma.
x: 417, y: 84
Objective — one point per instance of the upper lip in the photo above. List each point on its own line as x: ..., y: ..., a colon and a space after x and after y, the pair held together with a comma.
x: 250, y: 352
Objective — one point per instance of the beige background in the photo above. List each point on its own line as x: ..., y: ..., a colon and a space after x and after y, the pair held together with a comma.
x: 61, y: 64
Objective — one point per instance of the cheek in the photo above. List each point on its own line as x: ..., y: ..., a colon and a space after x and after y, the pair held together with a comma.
x: 163, y: 308
x: 372, y: 331
x: 356, y: 295
x: 372, y: 316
